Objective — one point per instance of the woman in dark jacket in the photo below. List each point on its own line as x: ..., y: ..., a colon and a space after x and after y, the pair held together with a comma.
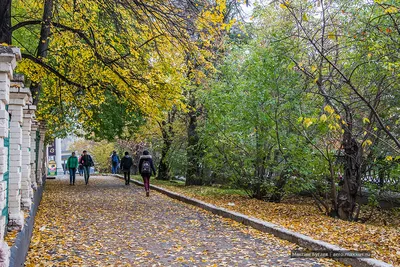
x: 126, y: 164
x: 146, y: 167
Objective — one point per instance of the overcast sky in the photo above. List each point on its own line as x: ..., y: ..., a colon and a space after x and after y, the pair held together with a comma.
x: 248, y: 10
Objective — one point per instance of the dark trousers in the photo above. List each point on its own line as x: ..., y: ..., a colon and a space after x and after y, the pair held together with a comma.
x: 127, y: 177
x: 146, y: 181
x: 72, y: 172
x: 80, y: 169
x: 86, y: 170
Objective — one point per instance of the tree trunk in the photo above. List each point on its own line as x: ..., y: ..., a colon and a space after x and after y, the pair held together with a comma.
x: 193, y: 171
x: 5, y: 22
x: 279, y: 182
x: 333, y: 186
x: 167, y: 131
x: 279, y: 191
x: 352, y: 176
x: 43, y: 44
x: 259, y: 172
x: 163, y: 167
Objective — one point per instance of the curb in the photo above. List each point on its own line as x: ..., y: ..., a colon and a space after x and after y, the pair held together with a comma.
x: 19, y: 250
x: 266, y: 227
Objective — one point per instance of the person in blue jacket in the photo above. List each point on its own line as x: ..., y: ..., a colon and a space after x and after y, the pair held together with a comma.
x: 114, y: 162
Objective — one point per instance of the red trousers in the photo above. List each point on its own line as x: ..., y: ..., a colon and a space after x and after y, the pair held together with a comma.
x: 146, y: 181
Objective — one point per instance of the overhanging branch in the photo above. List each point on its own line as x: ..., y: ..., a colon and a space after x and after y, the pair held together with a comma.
x: 25, y: 23
x: 54, y: 71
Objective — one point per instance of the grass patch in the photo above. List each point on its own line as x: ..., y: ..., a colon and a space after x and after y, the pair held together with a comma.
x: 212, y: 191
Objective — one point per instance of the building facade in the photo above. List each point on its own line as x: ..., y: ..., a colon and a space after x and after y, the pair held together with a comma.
x: 22, y: 148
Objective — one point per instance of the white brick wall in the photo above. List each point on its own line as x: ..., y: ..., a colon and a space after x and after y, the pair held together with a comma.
x: 33, y: 154
x: 4, y: 77
x: 26, y: 188
x: 15, y: 108
x: 3, y: 158
x: 2, y: 225
x: 7, y: 65
x: 3, y: 193
x: 4, y: 89
x: 41, y: 156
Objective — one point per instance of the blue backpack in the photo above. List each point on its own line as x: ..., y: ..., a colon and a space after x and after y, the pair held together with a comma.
x: 115, y: 159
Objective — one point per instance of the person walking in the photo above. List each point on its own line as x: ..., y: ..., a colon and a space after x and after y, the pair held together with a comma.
x: 126, y: 164
x: 114, y: 162
x: 72, y: 164
x: 146, y: 167
x: 80, y: 168
x: 87, y: 162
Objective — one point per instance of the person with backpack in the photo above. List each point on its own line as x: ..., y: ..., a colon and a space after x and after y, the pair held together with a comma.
x: 72, y: 164
x: 146, y: 167
x: 114, y: 162
x: 126, y: 164
x: 87, y: 162
x: 80, y: 167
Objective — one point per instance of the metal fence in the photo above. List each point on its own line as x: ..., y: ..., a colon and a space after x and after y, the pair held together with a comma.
x: 380, y: 177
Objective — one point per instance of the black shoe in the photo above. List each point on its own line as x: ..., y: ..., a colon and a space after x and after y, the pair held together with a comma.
x: 147, y: 194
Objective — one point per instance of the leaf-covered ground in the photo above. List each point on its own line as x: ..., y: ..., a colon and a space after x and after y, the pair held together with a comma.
x: 381, y: 234
x: 108, y: 223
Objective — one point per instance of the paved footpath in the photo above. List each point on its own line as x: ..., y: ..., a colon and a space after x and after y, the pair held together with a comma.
x: 109, y: 224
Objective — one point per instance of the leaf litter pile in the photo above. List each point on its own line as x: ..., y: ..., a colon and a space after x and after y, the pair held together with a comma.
x: 380, y: 234
x: 109, y: 224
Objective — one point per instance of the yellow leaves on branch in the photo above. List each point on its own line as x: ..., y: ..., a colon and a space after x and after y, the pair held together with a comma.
x: 147, y: 69
x: 328, y: 119
x: 284, y: 4
x: 211, y: 17
x: 334, y: 126
x: 388, y: 9
x: 366, y: 120
x: 367, y: 143
x: 391, y: 10
x: 34, y: 71
x: 329, y: 109
x: 307, y: 122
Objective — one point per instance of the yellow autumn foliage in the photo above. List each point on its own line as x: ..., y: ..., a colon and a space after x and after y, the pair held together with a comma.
x: 138, y: 59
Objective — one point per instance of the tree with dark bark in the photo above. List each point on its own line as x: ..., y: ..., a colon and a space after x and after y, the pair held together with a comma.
x: 167, y: 132
x: 355, y: 91
x: 5, y: 22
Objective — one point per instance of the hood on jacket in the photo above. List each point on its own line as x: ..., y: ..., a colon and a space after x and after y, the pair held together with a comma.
x: 145, y: 157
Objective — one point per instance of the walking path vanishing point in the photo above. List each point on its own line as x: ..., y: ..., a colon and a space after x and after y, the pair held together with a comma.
x: 107, y: 223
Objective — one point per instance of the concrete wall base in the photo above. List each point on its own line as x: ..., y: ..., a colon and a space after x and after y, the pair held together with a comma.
x: 4, y: 254
x: 20, y: 248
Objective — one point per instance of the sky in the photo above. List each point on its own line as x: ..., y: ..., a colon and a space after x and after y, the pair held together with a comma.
x: 248, y: 9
